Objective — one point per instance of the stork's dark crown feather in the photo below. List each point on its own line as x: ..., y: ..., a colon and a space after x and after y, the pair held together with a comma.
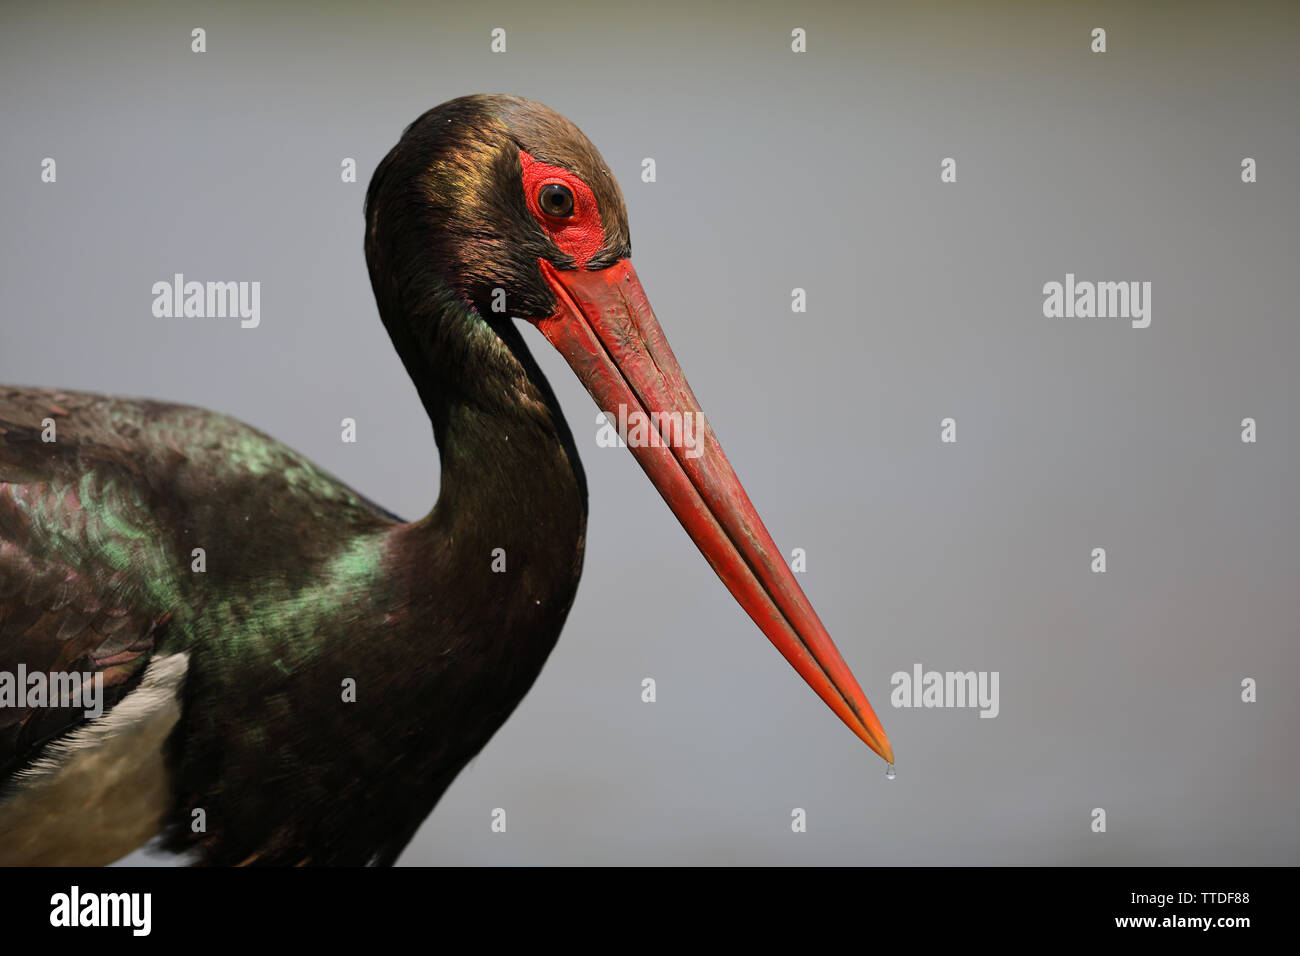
x: 447, y: 216
x: 278, y: 652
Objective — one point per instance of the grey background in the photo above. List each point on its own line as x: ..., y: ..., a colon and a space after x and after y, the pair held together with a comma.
x: 776, y: 170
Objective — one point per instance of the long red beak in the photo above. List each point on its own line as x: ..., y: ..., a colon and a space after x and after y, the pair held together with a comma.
x: 605, y: 329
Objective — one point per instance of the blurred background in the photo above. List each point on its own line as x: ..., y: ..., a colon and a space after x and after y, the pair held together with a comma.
x: 776, y: 170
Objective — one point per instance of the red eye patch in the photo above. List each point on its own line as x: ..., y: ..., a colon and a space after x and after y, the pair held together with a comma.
x: 580, y: 235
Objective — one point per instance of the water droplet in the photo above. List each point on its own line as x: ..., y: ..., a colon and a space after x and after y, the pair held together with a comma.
x: 889, y: 772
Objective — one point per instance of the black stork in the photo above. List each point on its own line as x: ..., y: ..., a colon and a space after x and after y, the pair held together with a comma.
x: 226, y: 590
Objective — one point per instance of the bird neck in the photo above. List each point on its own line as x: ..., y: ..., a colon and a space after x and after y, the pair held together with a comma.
x: 512, y: 493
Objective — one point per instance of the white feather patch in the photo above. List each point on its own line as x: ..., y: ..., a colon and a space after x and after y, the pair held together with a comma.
x: 102, y: 790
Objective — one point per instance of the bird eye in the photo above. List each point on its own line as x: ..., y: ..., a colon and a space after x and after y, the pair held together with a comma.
x: 556, y: 200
